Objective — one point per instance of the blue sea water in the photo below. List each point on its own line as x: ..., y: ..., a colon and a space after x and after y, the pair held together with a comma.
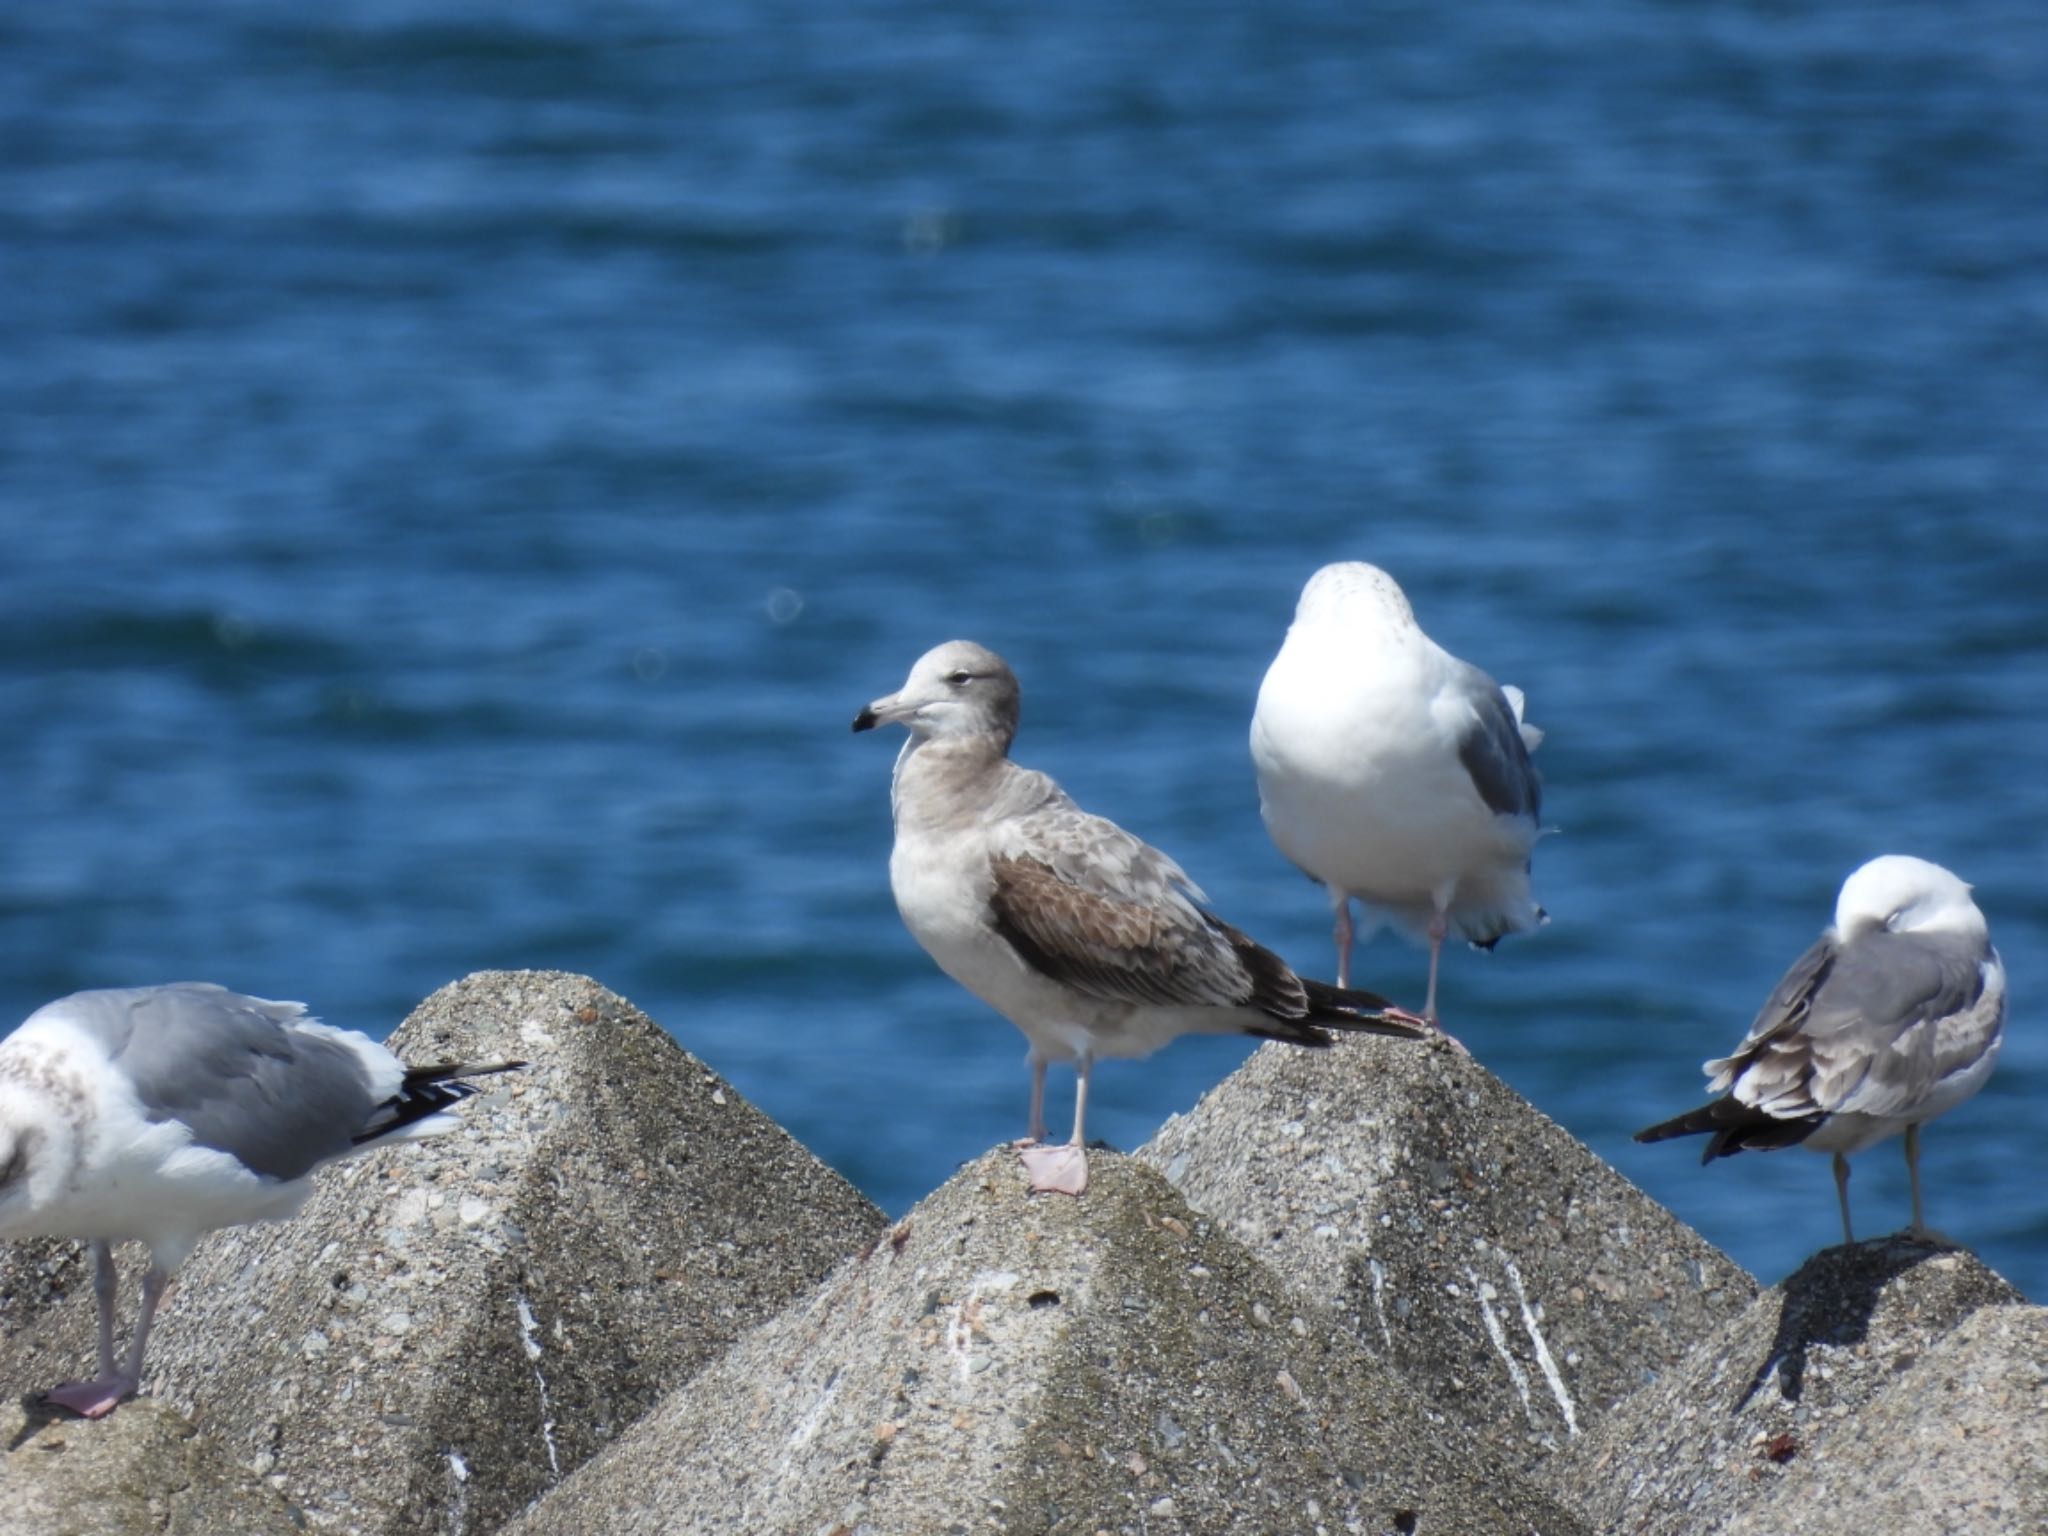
x: 462, y: 467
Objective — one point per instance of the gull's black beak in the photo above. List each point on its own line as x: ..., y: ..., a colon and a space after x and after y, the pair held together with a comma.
x: 866, y: 720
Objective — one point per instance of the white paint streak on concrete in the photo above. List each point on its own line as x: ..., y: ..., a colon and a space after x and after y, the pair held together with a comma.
x: 1379, y: 1300
x: 529, y: 1340
x: 813, y: 1420
x: 1551, y: 1375
x: 458, y: 1516
x: 1499, y: 1335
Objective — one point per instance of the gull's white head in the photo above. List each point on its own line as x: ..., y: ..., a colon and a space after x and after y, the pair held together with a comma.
x: 1902, y: 894
x: 956, y: 690
x: 1354, y: 593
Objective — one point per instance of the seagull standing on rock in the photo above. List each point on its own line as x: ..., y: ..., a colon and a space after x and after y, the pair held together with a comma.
x: 1393, y: 772
x: 162, y: 1113
x: 1088, y: 940
x: 1894, y: 1016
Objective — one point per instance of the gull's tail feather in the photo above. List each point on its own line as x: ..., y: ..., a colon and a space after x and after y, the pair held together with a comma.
x: 1300, y: 1011
x: 1735, y: 1126
x: 425, y: 1093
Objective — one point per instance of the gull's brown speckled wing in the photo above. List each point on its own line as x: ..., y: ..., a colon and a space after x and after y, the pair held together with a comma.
x: 1089, y: 905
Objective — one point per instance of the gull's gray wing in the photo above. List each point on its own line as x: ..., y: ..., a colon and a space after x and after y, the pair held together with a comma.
x: 1096, y: 909
x: 1866, y: 1027
x: 235, y: 1070
x: 1775, y: 1059
x: 1902, y: 1012
x: 1495, y: 752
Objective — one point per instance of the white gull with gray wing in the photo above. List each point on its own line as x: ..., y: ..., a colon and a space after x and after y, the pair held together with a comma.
x: 1894, y: 1016
x: 1394, y: 773
x: 158, y: 1114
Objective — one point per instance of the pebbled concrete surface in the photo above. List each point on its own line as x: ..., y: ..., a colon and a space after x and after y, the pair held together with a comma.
x: 143, y: 1470
x: 1858, y: 1385
x: 1050, y: 1365
x: 1508, y: 1273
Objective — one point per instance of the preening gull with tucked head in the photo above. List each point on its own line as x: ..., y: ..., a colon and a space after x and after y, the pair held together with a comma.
x: 161, y: 1113
x: 1091, y: 942
x: 1894, y: 1016
x: 1393, y: 772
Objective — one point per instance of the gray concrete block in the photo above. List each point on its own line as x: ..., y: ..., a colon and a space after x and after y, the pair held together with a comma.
x: 1956, y: 1444
x: 1516, y: 1280
x: 1001, y: 1363
x: 1870, y: 1384
x: 451, y: 1327
x: 145, y: 1472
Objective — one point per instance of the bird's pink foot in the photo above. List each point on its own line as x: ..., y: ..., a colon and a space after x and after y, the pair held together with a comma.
x: 1061, y: 1169
x: 93, y: 1399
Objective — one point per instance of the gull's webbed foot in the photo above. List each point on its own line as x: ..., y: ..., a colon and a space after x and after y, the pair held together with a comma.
x: 93, y: 1399
x: 1061, y: 1169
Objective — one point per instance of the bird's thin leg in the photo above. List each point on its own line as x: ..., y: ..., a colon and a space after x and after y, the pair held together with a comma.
x: 97, y: 1398
x: 1439, y: 926
x: 1920, y: 1229
x: 1083, y: 1070
x: 1842, y: 1194
x: 155, y: 1281
x: 106, y: 1289
x: 1037, y: 1100
x: 1064, y: 1170
x: 1913, y: 1177
x: 1343, y: 931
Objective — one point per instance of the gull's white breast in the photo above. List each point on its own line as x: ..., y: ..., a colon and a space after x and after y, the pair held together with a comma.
x: 1360, y: 782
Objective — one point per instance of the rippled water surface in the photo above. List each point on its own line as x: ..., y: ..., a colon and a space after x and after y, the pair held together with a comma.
x: 462, y: 467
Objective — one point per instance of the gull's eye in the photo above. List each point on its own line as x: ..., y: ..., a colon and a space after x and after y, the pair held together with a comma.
x: 960, y: 679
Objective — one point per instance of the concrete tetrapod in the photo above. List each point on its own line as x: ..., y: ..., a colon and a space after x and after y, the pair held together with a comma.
x: 1002, y: 1363
x: 1518, y: 1282
x: 449, y: 1328
x: 1875, y: 1390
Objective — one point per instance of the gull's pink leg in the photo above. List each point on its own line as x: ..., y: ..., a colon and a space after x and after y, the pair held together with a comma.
x: 1842, y: 1195
x: 1920, y: 1229
x: 1438, y: 927
x: 1064, y: 1170
x: 155, y: 1281
x: 1344, y: 935
x: 106, y: 1288
x: 97, y: 1398
x: 1037, y: 1105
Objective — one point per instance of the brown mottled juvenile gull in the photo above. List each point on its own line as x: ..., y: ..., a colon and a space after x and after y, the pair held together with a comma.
x: 1893, y: 1017
x: 161, y: 1113
x: 1393, y: 772
x: 1088, y: 940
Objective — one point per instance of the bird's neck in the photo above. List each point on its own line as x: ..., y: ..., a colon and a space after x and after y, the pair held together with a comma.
x: 938, y: 779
